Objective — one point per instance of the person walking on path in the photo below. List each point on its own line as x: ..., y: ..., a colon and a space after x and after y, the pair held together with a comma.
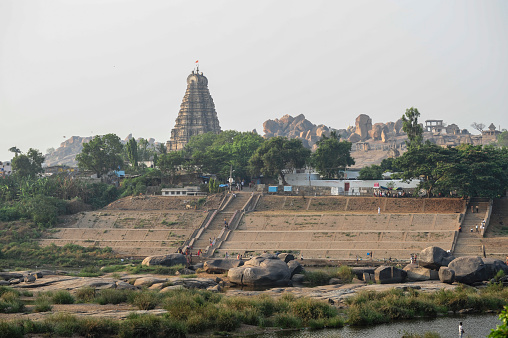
x: 461, y: 330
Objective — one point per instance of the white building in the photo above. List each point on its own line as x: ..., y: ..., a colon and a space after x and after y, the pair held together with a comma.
x: 186, y: 191
x: 5, y: 168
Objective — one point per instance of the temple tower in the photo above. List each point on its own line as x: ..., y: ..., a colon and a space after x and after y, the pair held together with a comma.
x: 197, y: 113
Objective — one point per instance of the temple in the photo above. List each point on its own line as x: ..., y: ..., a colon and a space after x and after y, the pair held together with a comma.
x: 197, y: 113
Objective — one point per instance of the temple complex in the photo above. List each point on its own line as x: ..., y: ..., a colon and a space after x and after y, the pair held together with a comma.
x: 197, y: 113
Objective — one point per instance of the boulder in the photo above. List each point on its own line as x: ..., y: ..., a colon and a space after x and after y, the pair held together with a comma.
x: 334, y: 281
x: 494, y: 265
x: 4, y: 283
x: 469, y: 270
x: 363, y: 124
x: 294, y: 267
x: 194, y: 283
x: 197, y: 266
x: 353, y: 138
x: 10, y: 275
x: 166, y: 260
x: 264, y: 270
x: 30, y: 278
x: 446, y: 275
x: 124, y: 286
x: 298, y: 278
x: 148, y: 281
x: 172, y: 287
x: 216, y: 288
x: 286, y: 257
x: 434, y: 257
x: 221, y: 265
x: 416, y: 273
x: 38, y: 274
x: 389, y: 274
x: 361, y: 271
x: 185, y: 271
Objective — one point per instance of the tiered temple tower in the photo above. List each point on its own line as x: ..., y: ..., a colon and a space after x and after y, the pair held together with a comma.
x: 197, y: 113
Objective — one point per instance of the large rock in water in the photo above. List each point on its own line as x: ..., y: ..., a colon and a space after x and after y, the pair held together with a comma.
x: 166, y: 260
x: 221, y: 265
x: 434, y: 257
x: 264, y: 270
x: 416, y: 273
x: 469, y: 270
x: 389, y: 274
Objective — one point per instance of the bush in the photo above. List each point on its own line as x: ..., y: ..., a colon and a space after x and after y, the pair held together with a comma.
x: 287, y: 321
x: 62, y: 297
x: 345, y: 273
x: 113, y: 296
x: 307, y: 309
x: 42, y: 304
x: 146, y: 300
x: 10, y: 329
x: 85, y: 294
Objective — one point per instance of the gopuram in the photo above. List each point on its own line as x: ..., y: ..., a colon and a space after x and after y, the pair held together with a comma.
x: 197, y: 113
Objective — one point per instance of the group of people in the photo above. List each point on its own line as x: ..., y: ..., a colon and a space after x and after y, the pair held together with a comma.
x: 390, y: 193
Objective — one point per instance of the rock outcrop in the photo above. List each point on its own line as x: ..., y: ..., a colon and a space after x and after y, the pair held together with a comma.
x: 166, y: 260
x: 221, y: 265
x: 434, y: 257
x: 389, y: 274
x: 264, y: 270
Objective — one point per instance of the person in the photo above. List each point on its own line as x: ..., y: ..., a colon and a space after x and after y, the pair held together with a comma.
x: 461, y: 330
x: 476, y: 209
x: 378, y: 210
x: 301, y: 257
x: 460, y: 228
x: 477, y: 228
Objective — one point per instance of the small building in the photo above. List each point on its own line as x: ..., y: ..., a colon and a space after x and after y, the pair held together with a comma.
x: 5, y: 168
x: 434, y: 126
x: 185, y: 191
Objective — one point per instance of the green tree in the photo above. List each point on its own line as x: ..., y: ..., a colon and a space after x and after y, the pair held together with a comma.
x: 101, y: 154
x: 332, y: 156
x: 15, y: 150
x: 373, y: 172
x: 132, y: 152
x: 502, y: 139
x: 388, y: 164
x: 412, y: 128
x: 431, y: 163
x: 279, y: 154
x: 501, y: 331
x: 29, y: 164
x: 169, y: 163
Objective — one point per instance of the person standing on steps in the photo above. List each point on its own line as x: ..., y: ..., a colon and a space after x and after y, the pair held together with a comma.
x: 476, y: 209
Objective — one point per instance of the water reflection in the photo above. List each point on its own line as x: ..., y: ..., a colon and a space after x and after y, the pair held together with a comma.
x: 474, y: 326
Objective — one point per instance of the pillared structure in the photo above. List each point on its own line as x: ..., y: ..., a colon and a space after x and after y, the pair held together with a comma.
x: 197, y: 113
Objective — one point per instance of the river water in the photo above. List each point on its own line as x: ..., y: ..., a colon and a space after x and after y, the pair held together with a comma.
x: 474, y: 326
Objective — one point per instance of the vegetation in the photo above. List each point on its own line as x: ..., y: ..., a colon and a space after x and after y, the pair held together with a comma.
x: 373, y: 172
x: 29, y: 164
x: 412, y: 128
x: 279, y: 154
x: 101, y: 154
x: 332, y: 156
x: 501, y: 331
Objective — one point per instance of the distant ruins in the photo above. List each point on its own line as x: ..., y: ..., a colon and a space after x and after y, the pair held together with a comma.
x: 197, y: 113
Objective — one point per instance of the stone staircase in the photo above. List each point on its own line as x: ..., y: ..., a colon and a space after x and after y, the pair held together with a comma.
x: 215, y: 229
x: 470, y: 243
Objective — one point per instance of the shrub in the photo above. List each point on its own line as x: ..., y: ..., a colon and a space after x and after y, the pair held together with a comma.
x: 287, y: 321
x: 315, y: 278
x: 85, y: 294
x: 146, y: 300
x: 227, y: 320
x: 345, y: 273
x: 62, y: 297
x: 10, y: 330
x: 307, y: 309
x: 113, y: 296
x: 42, y: 304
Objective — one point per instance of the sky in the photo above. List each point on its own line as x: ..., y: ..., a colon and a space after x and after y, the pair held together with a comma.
x: 91, y: 67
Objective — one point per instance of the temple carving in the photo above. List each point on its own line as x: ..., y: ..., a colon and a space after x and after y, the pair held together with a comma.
x: 197, y: 113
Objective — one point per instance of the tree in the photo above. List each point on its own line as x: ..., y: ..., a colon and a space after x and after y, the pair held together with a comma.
x: 169, y: 163
x: 29, y: 164
x: 501, y: 331
x: 388, y: 164
x: 132, y: 152
x: 502, y: 139
x: 15, y: 150
x: 332, y: 156
x: 101, y: 154
x: 478, y: 126
x: 277, y: 154
x: 430, y: 162
x: 217, y: 153
x: 373, y: 172
x: 412, y: 128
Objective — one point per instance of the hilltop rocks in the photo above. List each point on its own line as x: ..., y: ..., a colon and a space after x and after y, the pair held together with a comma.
x: 295, y: 127
x: 166, y: 260
x: 434, y: 257
x: 264, y: 270
x: 363, y: 126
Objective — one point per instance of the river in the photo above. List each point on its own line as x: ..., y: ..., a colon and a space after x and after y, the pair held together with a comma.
x: 474, y: 326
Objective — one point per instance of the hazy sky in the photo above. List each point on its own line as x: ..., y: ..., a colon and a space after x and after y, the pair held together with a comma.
x: 88, y: 67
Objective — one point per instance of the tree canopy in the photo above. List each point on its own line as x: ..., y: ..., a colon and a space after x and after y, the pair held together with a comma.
x: 277, y: 154
x: 412, y: 128
x: 29, y: 164
x: 101, y: 154
x: 373, y: 172
x: 332, y: 156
